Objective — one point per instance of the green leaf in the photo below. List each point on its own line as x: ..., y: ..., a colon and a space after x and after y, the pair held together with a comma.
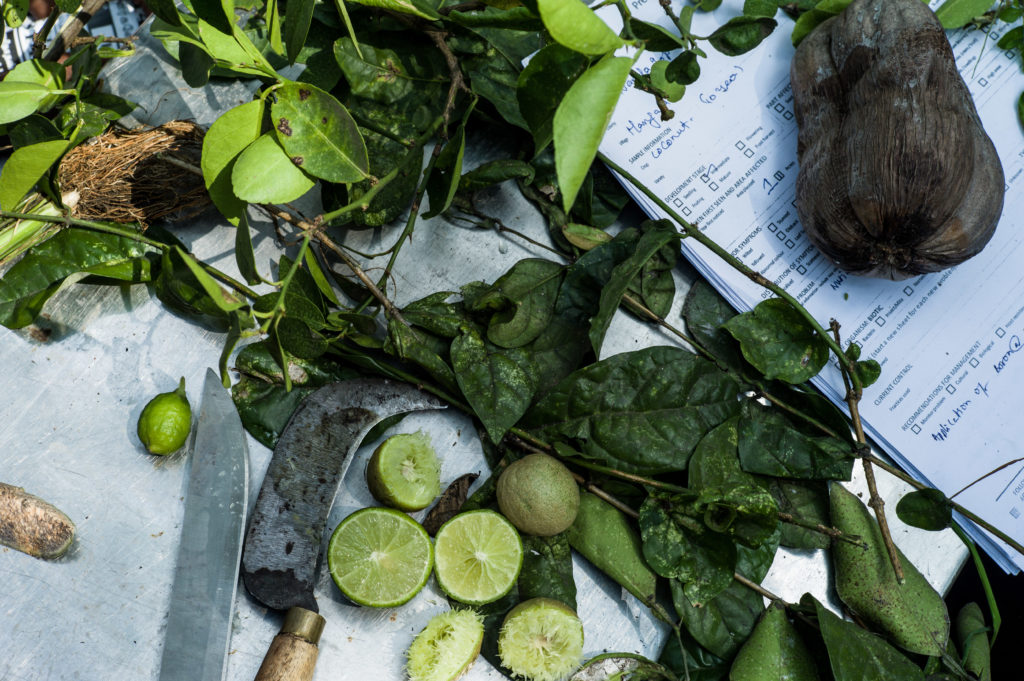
x: 400, y: 6
x: 770, y: 445
x: 706, y: 312
x: 642, y: 411
x: 33, y: 129
x: 25, y: 167
x: 224, y: 300
x: 739, y: 35
x: 928, y: 509
x: 958, y: 13
x: 497, y: 386
x: 296, y: 26
x: 973, y: 639
x: 541, y: 86
x: 776, y: 339
x: 774, y: 651
x: 524, y: 300
x: 229, y: 135
x: 856, y: 654
x: 436, y: 314
x: 573, y: 24
x: 672, y: 90
x: 493, y: 77
x: 319, y: 133
x: 28, y: 284
x: 867, y: 371
x: 684, y: 68
x: 273, y: 19
x: 196, y: 64
x: 376, y: 73
x: 244, y: 256
x: 516, y: 18
x: 806, y: 501
x: 585, y: 237
x: 1012, y: 39
x: 263, y: 173
x: 715, y: 462
x: 495, y: 172
x: 446, y: 173
x: 219, y: 14
x: 611, y: 295
x: 809, y: 20
x: 18, y: 100
x: 684, y: 656
x: 704, y: 561
x: 1020, y: 109
x: 760, y: 8
x: 656, y: 38
x: 912, y: 614
x: 413, y: 346
x: 165, y: 10
x: 547, y: 570
x: 15, y: 12
x: 724, y: 622
x: 581, y: 120
x: 232, y: 50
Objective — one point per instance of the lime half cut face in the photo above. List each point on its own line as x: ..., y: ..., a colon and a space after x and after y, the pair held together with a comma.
x: 380, y: 557
x: 478, y: 556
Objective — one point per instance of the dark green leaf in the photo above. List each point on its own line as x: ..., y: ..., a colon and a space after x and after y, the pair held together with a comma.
x: 196, y: 64
x: 776, y: 339
x: 221, y: 297
x: 318, y: 133
x: 244, y: 256
x: 663, y: 232
x: 642, y: 411
x: 867, y: 371
x: 33, y: 129
x: 928, y: 509
x: 856, y: 654
x: 374, y: 72
x: 28, y: 284
x: 806, y: 501
x: 760, y: 8
x: 516, y: 18
x: 422, y: 10
x: 413, y: 346
x: 494, y: 78
x: 715, y: 462
x: 179, y: 290
x: 687, y: 658
x: 446, y: 173
x: 495, y: 172
x: 298, y: 339
x: 684, y: 68
x: 547, y: 570
x: 581, y: 119
x: 770, y: 445
x: 498, y: 385
x: 741, y: 34
x: 973, y: 639
x: 681, y: 548
x: 541, y: 86
x: 436, y: 314
x: 723, y: 623
x: 1020, y: 109
x: 218, y: 13
x: 1012, y: 39
x: 523, y: 299
x: 656, y: 38
x: 296, y: 26
x: 706, y: 312
x: 709, y: 5
x: 747, y: 513
x: 774, y: 650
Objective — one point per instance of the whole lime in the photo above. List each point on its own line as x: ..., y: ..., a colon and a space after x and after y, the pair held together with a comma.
x: 539, y: 495
x: 165, y: 421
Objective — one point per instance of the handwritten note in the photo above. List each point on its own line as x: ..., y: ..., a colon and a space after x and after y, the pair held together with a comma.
x: 948, y: 402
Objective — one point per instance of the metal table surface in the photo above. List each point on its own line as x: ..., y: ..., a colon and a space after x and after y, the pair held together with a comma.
x: 75, y: 383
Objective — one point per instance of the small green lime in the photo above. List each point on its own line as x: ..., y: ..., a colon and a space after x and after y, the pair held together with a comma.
x: 541, y: 639
x: 404, y: 472
x: 539, y: 495
x: 165, y: 421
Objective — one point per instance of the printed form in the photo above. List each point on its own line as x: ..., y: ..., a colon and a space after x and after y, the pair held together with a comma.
x: 948, y: 404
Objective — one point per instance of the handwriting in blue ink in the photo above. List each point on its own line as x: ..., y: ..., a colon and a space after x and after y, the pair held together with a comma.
x: 981, y: 389
x: 652, y: 119
x: 1014, y: 347
x: 723, y: 87
x: 946, y: 427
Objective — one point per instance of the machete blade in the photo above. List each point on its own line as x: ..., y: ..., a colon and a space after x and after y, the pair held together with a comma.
x: 309, y: 463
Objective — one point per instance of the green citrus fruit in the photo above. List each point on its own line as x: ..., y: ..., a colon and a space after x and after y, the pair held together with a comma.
x: 539, y: 495
x: 478, y: 555
x: 541, y: 639
x: 380, y: 557
x: 404, y: 472
x: 165, y: 421
x: 447, y: 646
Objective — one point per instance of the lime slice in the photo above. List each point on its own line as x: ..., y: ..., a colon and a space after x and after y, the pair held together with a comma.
x: 541, y: 639
x: 447, y: 646
x: 404, y: 472
x: 380, y: 557
x: 478, y: 555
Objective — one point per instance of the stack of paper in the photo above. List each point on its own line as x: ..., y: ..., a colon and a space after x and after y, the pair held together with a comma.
x: 946, y: 406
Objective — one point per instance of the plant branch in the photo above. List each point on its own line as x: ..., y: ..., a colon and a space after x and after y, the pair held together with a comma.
x: 71, y: 29
x: 39, y: 39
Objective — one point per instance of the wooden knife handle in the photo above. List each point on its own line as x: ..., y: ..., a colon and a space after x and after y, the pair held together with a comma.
x: 292, y: 653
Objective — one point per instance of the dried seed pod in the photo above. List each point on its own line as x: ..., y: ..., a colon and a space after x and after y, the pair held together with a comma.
x: 897, y: 176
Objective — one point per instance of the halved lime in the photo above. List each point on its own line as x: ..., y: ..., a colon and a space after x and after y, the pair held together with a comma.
x: 541, y: 639
x: 478, y: 555
x: 447, y: 646
x: 404, y: 472
x: 380, y: 557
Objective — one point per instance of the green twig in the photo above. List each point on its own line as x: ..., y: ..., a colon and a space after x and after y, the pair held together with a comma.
x: 986, y: 586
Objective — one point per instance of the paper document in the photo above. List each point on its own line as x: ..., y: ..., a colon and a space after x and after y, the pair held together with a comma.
x: 949, y: 343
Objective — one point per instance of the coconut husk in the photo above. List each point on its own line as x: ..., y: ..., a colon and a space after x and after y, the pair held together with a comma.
x: 136, y: 175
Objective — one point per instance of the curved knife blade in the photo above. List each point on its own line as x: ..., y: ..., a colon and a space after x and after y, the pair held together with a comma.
x: 206, y: 575
x: 309, y: 462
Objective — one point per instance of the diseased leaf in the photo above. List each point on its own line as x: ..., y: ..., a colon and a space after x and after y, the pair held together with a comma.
x: 739, y: 35
x: 15, y: 12
x: 642, y: 411
x: 547, y: 570
x: 774, y: 651
x: 413, y: 346
x: 581, y: 119
x: 263, y: 173
x: 373, y: 72
x: 770, y: 445
x: 497, y: 386
x: 928, y: 509
x: 523, y: 299
x: 230, y: 134
x: 573, y: 24
x: 806, y: 501
x: 705, y: 312
x: 724, y: 622
x: 25, y: 167
x: 318, y: 133
x: 776, y: 339
x: 436, y: 314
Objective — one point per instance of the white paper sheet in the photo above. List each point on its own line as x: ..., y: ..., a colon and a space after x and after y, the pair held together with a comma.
x: 946, y: 405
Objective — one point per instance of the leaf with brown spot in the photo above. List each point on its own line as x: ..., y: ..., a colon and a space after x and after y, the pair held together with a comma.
x: 449, y: 503
x: 284, y: 127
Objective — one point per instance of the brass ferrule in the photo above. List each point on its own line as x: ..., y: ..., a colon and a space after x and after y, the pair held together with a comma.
x: 303, y: 623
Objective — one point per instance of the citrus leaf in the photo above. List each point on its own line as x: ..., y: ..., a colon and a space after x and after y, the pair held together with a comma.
x: 218, y: 294
x: 928, y: 509
x: 229, y: 135
x: 495, y: 172
x: 774, y: 651
x: 219, y: 14
x: 585, y: 237
x: 18, y: 100
x: 319, y: 133
x: 581, y: 119
x: 739, y: 35
x: 855, y: 653
x: 446, y: 174
x: 15, y: 12
x: 672, y: 90
x: 296, y: 26
x: 263, y: 173
x: 400, y: 6
x: 547, y: 569
x: 809, y: 20
x: 25, y: 167
x: 972, y: 635
x: 684, y: 69
x: 705, y: 312
x: 642, y: 411
x: 958, y: 13
x: 760, y: 8
x: 573, y: 24
x: 776, y: 339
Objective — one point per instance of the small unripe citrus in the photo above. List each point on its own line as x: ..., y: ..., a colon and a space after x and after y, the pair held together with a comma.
x: 538, y: 495
x: 165, y: 421
x: 541, y: 639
